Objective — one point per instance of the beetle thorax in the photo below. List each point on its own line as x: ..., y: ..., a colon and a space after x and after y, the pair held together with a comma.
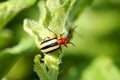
x: 62, y: 41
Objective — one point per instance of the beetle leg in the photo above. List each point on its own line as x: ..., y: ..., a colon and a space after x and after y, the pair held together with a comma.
x: 65, y: 45
x: 60, y: 49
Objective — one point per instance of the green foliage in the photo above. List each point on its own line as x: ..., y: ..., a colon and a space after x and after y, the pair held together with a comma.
x: 10, y: 8
x: 9, y: 56
x: 102, y: 68
x: 40, y: 68
x: 97, y: 52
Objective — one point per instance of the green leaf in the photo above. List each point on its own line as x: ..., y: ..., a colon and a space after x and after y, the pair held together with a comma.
x: 45, y: 15
x: 102, y: 68
x: 36, y: 30
x: 40, y: 68
x: 78, y: 8
x: 52, y: 63
x: 9, y: 56
x: 32, y: 27
x: 53, y: 5
x: 59, y: 17
x: 6, y: 36
x: 9, y: 9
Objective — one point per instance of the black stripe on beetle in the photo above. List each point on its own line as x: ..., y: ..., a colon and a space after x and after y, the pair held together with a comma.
x: 44, y: 41
x: 49, y: 45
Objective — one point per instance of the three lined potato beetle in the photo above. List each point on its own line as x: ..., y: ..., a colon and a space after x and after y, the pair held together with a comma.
x: 51, y: 44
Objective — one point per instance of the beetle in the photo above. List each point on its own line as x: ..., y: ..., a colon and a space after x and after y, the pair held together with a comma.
x: 52, y: 44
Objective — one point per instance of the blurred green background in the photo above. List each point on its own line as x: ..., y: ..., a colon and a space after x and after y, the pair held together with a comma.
x: 97, y: 39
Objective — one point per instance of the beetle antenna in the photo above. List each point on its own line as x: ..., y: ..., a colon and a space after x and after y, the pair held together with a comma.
x: 51, y: 30
x: 70, y: 33
x: 72, y: 44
